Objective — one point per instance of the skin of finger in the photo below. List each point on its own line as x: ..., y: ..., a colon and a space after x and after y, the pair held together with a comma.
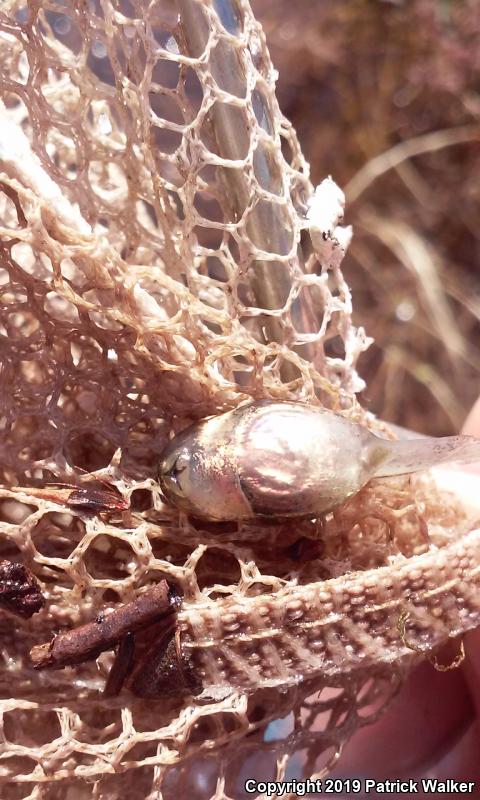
x: 427, y: 722
x: 471, y: 425
x: 472, y: 639
x: 430, y: 714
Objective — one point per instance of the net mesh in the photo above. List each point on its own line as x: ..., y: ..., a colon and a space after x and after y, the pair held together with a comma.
x: 156, y: 267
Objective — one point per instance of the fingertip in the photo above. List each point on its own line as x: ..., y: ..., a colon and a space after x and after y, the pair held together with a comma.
x: 471, y: 426
x: 471, y: 666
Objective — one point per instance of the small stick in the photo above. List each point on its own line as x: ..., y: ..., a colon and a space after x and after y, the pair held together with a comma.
x: 122, y: 666
x: 88, y: 641
x: 86, y: 496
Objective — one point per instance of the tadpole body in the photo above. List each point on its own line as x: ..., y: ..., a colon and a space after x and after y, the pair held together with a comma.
x: 282, y: 459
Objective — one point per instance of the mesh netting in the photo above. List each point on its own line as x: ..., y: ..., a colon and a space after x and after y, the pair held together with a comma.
x: 156, y: 267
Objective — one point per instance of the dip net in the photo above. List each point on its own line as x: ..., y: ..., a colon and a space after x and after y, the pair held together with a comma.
x: 157, y: 266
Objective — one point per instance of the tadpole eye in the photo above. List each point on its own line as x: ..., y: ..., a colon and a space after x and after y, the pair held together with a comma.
x: 170, y: 472
x: 175, y: 471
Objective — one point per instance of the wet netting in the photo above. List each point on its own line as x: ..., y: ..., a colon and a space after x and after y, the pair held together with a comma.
x: 161, y: 261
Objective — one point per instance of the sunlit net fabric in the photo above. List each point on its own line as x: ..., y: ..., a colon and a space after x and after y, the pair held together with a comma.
x: 156, y: 267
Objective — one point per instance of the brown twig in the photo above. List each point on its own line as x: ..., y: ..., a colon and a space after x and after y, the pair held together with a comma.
x: 87, y: 496
x: 122, y: 666
x: 88, y: 641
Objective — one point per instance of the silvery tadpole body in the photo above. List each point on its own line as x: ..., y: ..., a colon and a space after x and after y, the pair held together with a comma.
x: 281, y: 459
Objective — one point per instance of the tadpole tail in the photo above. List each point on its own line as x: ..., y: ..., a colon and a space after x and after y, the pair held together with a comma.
x: 415, y: 455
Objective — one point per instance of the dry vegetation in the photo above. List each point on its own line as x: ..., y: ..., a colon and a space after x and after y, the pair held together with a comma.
x: 384, y: 96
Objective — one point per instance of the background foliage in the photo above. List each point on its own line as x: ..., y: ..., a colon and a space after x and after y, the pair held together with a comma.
x: 364, y: 83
